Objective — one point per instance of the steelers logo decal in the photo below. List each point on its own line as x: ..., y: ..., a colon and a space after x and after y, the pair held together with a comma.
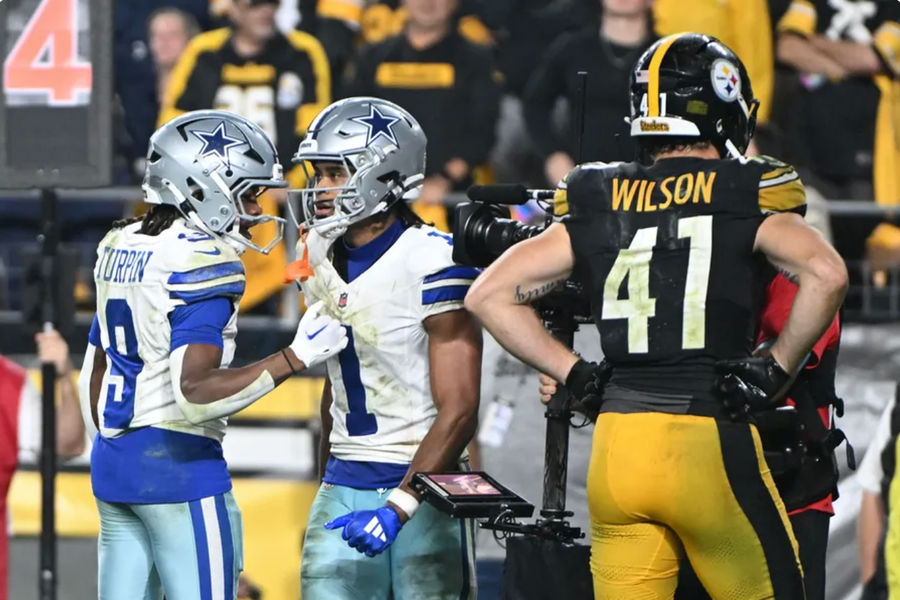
x: 726, y: 80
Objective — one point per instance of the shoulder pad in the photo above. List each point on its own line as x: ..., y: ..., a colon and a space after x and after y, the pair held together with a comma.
x: 200, y: 267
x: 767, y: 161
x: 431, y: 250
x: 780, y: 188
x: 588, y: 179
x: 561, y: 196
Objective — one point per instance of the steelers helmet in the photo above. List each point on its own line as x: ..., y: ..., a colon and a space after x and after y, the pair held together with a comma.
x: 691, y: 85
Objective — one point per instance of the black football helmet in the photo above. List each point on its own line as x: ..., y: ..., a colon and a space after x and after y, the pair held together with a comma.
x: 692, y: 85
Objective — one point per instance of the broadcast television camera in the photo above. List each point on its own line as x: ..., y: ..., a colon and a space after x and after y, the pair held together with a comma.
x: 482, y: 231
x: 543, y: 559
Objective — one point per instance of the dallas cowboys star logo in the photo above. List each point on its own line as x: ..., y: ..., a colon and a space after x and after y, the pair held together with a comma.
x: 217, y: 142
x: 378, y: 124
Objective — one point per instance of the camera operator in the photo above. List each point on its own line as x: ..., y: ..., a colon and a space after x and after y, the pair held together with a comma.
x: 677, y: 468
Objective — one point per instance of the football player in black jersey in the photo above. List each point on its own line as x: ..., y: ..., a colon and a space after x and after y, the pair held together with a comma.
x: 671, y: 251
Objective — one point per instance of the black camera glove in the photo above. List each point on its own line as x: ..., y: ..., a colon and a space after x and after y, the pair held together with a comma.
x: 756, y: 383
x: 585, y: 383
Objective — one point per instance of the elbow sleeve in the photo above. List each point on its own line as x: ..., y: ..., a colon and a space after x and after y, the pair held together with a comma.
x: 197, y: 413
x: 84, y: 390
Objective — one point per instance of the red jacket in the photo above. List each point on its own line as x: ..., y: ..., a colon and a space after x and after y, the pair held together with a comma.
x: 779, y: 299
x: 12, y: 382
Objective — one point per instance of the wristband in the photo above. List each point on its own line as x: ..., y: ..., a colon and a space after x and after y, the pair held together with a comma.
x: 288, y: 361
x: 404, y: 501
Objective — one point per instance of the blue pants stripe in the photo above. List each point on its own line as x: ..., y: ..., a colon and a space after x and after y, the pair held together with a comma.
x: 227, y: 546
x: 202, y: 549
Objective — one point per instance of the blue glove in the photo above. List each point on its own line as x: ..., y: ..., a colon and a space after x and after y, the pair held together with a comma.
x: 369, y: 531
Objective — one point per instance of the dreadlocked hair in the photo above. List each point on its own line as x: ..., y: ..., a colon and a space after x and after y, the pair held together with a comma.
x: 120, y: 223
x: 406, y: 214
x: 400, y: 210
x: 154, y: 221
x: 159, y: 218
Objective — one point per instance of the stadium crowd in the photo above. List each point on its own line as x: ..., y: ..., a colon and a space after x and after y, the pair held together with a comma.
x: 492, y: 82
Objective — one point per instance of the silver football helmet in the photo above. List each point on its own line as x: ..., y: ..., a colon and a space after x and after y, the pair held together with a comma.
x: 203, y: 163
x: 382, y: 149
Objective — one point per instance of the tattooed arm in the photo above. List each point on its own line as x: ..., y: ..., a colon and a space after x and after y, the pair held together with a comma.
x: 500, y: 297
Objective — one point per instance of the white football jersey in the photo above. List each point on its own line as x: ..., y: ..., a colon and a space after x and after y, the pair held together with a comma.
x: 380, y: 383
x: 140, y: 280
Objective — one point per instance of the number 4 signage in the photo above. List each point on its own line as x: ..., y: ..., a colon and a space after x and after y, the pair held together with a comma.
x: 44, y: 61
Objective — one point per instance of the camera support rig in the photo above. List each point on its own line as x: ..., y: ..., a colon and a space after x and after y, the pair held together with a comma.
x: 561, y: 318
x: 561, y: 312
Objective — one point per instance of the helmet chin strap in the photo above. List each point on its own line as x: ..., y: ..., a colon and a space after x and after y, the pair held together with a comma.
x: 234, y: 238
x: 229, y: 237
x: 333, y: 230
x: 733, y: 152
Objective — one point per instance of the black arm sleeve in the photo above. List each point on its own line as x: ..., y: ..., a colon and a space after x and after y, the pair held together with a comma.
x: 544, y: 87
x: 362, y: 81
x: 483, y: 102
x: 337, y: 38
x: 199, y: 90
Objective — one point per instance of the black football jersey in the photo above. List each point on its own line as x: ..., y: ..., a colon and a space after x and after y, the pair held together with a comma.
x: 666, y: 253
x: 281, y: 89
x: 834, y: 127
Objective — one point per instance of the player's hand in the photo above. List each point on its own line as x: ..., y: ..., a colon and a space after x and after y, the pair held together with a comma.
x: 51, y: 347
x: 758, y: 382
x: 456, y: 169
x: 547, y: 387
x: 434, y: 189
x: 557, y: 166
x: 369, y: 531
x: 319, y: 337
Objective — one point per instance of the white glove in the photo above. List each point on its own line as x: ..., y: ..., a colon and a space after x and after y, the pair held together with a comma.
x: 319, y: 337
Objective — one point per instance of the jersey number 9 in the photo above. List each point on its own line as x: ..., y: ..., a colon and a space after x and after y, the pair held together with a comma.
x: 125, y: 364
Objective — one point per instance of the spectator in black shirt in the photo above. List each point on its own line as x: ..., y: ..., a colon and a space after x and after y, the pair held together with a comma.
x: 343, y: 25
x: 608, y: 57
x: 448, y: 85
x: 845, y: 124
x: 280, y: 81
x: 525, y: 29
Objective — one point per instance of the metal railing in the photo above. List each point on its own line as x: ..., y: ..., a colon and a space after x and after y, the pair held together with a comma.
x: 876, y: 294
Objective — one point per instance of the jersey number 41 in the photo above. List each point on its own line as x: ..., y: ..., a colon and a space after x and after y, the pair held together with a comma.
x: 634, y: 262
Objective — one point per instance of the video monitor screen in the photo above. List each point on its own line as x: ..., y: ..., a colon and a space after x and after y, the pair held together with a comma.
x: 465, y: 484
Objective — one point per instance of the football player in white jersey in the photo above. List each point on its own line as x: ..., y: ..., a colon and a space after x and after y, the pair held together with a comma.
x: 402, y: 396
x: 155, y: 380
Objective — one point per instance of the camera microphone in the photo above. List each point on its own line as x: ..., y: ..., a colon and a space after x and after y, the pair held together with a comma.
x: 506, y: 193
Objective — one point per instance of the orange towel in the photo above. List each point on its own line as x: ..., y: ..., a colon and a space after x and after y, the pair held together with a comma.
x: 300, y: 268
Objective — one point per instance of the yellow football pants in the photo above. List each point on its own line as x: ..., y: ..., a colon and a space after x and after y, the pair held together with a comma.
x: 892, y: 541
x: 662, y: 485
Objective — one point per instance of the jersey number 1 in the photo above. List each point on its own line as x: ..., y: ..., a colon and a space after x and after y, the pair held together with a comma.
x: 634, y: 262
x: 358, y: 420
